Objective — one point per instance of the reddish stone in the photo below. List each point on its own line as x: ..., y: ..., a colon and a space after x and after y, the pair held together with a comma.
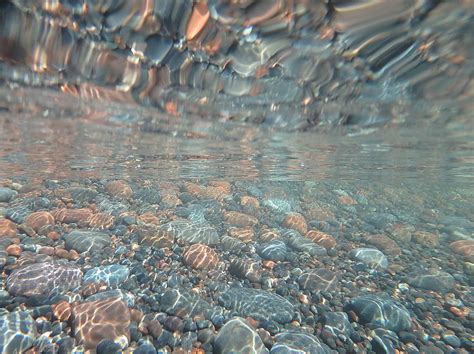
x: 268, y: 264
x: 224, y: 186
x: 14, y: 250
x: 321, y: 238
x: 39, y: 220
x: 249, y: 202
x: 149, y: 218
x: 7, y: 228
x: 119, y: 189
x: 61, y: 253
x: 267, y: 235
x: 54, y: 235
x: 92, y: 288
x: 296, y: 222
x: 68, y: 216
x: 346, y: 200
x: 200, y: 256
x: 103, y: 319
x: 427, y: 239
x: 239, y: 219
x: 463, y: 247
x: 46, y: 250
x: 244, y: 234
x: 101, y: 221
x: 62, y: 311
x: 73, y: 255
x: 384, y: 243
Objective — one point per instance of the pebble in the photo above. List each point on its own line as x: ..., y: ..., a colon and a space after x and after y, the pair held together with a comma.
x: 274, y: 250
x: 7, y: 194
x: 321, y: 238
x: 200, y: 256
x: 318, y: 280
x: 371, y: 257
x: 296, y: 222
x: 39, y: 221
x: 298, y: 342
x: 17, y: 331
x: 191, y: 232
x: 112, y: 275
x: 7, y: 228
x: 435, y: 280
x: 84, y: 241
x: 237, y: 336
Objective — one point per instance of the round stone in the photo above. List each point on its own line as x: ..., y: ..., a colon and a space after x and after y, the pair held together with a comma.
x: 318, y: 280
x: 371, y: 257
x: 112, y: 275
x: 298, y: 343
x: 321, y: 238
x: 200, y: 256
x: 237, y: 336
x: 84, y: 241
x: 39, y: 220
x: 296, y: 222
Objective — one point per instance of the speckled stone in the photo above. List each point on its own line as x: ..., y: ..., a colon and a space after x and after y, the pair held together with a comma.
x: 435, y: 280
x: 112, y: 275
x: 97, y: 320
x: 258, y: 304
x: 318, y: 280
x: 298, y: 343
x: 380, y: 310
x: 84, y: 241
x: 237, y: 336
x: 43, y: 279
x: 17, y: 331
x: 371, y: 257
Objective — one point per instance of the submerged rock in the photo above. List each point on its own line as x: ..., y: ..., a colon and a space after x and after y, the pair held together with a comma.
x: 17, y: 331
x: 371, y: 257
x: 112, y: 275
x: 298, y: 343
x: 84, y: 241
x: 237, y: 336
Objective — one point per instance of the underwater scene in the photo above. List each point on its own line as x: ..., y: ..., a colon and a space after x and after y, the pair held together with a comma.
x: 237, y: 176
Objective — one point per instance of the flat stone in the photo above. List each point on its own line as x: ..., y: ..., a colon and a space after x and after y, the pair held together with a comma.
x: 119, y: 189
x: 17, y: 331
x: 43, y: 279
x: 298, y: 343
x: 240, y: 219
x: 321, y: 238
x: 94, y: 321
x: 402, y: 233
x: 296, y: 222
x: 436, y: 280
x: 246, y: 269
x: 258, y: 304
x: 125, y: 296
x: 237, y: 336
x: 384, y: 243
x: 300, y: 243
x: 84, y: 241
x: 182, y: 303
x: 39, y: 220
x: 463, y: 247
x: 318, y: 280
x: 371, y: 257
x: 426, y: 239
x: 200, y: 256
x: 338, y: 324
x: 278, y: 205
x: 380, y: 310
x: 7, y: 194
x: 80, y: 194
x: 190, y: 232
x: 275, y: 250
x: 7, y: 228
x: 112, y: 275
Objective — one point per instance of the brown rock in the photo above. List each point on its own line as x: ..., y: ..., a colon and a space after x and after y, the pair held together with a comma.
x: 402, y: 233
x: 101, y: 221
x: 7, y: 228
x: 73, y: 255
x: 149, y: 218
x: 296, y: 222
x: 68, y: 216
x: 239, y: 219
x: 268, y: 264
x: 103, y: 319
x: 119, y: 189
x: 224, y: 186
x: 62, y: 311
x: 384, y: 243
x: 463, y: 247
x: 200, y: 256
x: 54, y: 235
x: 39, y: 221
x: 13, y: 250
x: 426, y: 238
x: 346, y: 200
x: 156, y: 237
x: 267, y: 235
x: 92, y: 288
x: 321, y: 238
x: 46, y: 250
x: 61, y: 253
x: 244, y: 234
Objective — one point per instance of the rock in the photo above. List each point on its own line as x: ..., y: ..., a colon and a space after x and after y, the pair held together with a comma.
x: 436, y: 280
x: 68, y: 216
x: 231, y: 244
x: 107, y: 346
x: 155, y: 237
x: 43, y: 279
x: 298, y: 343
x: 275, y: 250
x: 7, y: 228
x: 338, y: 324
x: 296, y: 222
x: 278, y: 205
x: 239, y: 219
x: 258, y: 304
x: 300, y: 243
x: 7, y: 194
x: 384, y: 243
x: 119, y: 189
x: 402, y: 233
x: 80, y: 195
x: 237, y: 336
x: 104, y: 319
x: 39, y: 221
x: 18, y: 213
x: 125, y: 296
x: 318, y: 280
x: 249, y: 202
x: 426, y: 239
x: 100, y: 221
x: 113, y: 275
x: 268, y: 235
x: 321, y: 238
x: 380, y: 310
x: 17, y: 331
x: 182, y: 303
x: 191, y: 232
x: 62, y: 311
x: 84, y: 241
x: 371, y: 257
x: 244, y: 234
x: 200, y: 256
x: 246, y: 269
x: 13, y: 250
x: 462, y: 247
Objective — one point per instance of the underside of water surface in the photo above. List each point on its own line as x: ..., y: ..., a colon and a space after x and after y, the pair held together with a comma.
x: 236, y: 176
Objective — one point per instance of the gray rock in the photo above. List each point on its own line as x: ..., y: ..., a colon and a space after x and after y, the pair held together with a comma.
x: 437, y: 281
x: 275, y: 250
x: 113, y: 275
x: 7, y: 194
x: 237, y: 336
x: 181, y: 302
x: 191, y: 232
x: 258, y: 304
x: 17, y: 331
x: 125, y: 296
x: 300, y: 243
x: 84, y: 241
x: 43, y: 279
x: 371, y: 257
x: 298, y: 343
x: 318, y: 280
